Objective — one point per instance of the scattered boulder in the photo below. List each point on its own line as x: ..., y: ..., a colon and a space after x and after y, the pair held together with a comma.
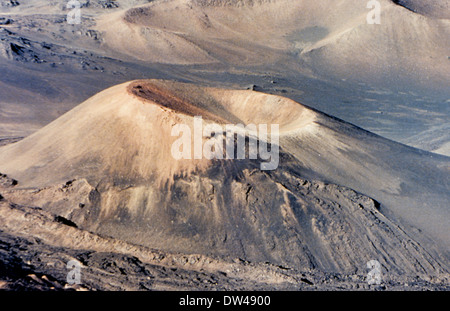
x: 5, y: 21
x: 6, y: 182
x: 10, y: 3
x: 65, y: 221
x: 105, y: 4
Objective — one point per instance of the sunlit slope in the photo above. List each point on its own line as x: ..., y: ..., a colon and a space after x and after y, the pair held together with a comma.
x: 117, y: 148
x: 330, y: 38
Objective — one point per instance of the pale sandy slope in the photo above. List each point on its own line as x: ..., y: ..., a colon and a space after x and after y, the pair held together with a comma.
x: 106, y: 165
x: 394, y: 74
x: 132, y: 139
x: 333, y: 39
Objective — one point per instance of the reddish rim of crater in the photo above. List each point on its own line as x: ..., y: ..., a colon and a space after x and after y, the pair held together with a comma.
x: 157, y: 95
